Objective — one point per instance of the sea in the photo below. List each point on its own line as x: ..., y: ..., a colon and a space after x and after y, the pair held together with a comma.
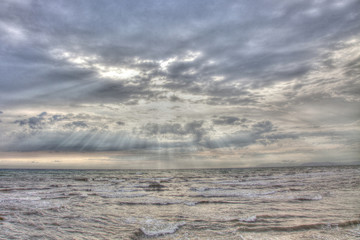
x: 254, y: 203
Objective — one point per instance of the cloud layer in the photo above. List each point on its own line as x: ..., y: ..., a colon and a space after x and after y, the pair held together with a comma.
x: 243, y: 78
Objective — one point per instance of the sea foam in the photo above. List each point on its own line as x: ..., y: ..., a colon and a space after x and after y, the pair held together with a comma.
x: 153, y: 227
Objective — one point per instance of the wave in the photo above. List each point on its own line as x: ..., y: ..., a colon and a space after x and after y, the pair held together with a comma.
x: 355, y: 232
x: 82, y: 179
x: 190, y: 203
x: 154, y: 228
x: 281, y: 216
x: 17, y: 199
x: 158, y: 179
x: 154, y: 186
x: 232, y: 193
x: 22, y: 189
x: 120, y: 195
x: 154, y: 201
x: 160, y: 202
x: 316, y: 197
x: 217, y: 202
x: 302, y: 227
x: 199, y: 189
x: 248, y: 219
x: 55, y: 197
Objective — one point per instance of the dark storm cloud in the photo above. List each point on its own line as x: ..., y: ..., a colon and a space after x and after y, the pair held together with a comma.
x: 120, y: 123
x: 262, y: 132
x: 69, y: 74
x: 167, y: 128
x: 264, y: 126
x: 33, y: 122
x: 78, y: 141
x: 228, y: 120
x: 230, y: 101
x: 77, y: 124
x: 195, y: 128
x: 223, y: 54
x: 60, y: 122
x: 259, y: 41
x: 78, y: 136
x: 113, y: 91
x: 59, y: 117
x: 175, y: 99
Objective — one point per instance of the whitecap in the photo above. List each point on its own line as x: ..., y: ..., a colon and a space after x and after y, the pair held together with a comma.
x: 199, y: 189
x: 248, y: 219
x: 153, y: 228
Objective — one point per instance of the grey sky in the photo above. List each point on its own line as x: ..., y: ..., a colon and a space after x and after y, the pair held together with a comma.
x: 137, y: 84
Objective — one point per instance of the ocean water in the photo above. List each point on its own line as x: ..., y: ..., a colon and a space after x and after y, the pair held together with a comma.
x: 257, y: 203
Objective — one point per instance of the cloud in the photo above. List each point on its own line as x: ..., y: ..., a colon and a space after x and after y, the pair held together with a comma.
x: 78, y: 135
x: 120, y: 123
x: 46, y: 122
x: 168, y: 128
x: 187, y: 75
x: 83, y: 132
x: 174, y: 98
x: 77, y: 124
x: 262, y: 127
x: 194, y: 128
x: 238, y: 49
x: 228, y: 120
x: 78, y: 141
x: 263, y: 132
x: 33, y: 122
x: 69, y: 74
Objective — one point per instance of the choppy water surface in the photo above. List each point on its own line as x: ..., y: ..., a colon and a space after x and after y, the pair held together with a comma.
x: 264, y: 203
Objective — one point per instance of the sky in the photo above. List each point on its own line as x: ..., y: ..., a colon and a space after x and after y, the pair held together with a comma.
x: 179, y: 84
